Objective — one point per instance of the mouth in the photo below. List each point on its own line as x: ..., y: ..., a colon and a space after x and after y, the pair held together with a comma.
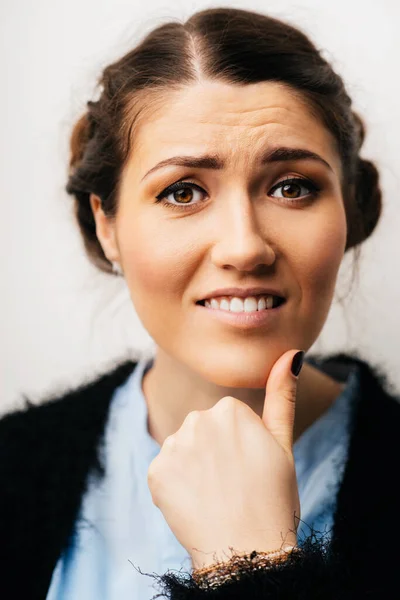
x: 261, y: 314
x: 223, y: 303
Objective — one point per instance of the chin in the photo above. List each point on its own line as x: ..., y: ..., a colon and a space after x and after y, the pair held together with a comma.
x: 231, y: 376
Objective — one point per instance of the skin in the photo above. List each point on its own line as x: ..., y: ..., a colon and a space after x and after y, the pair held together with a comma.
x: 242, y: 234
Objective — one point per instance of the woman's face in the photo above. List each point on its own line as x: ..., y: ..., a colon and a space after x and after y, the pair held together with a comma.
x: 232, y: 226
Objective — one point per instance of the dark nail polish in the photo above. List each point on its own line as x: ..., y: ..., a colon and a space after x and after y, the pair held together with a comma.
x: 297, y: 362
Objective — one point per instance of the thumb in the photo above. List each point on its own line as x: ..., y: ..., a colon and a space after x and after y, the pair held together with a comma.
x: 280, y: 397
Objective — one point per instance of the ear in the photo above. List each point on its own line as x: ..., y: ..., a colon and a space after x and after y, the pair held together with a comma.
x: 105, y: 230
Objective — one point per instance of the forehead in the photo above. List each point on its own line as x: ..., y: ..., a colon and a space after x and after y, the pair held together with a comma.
x: 236, y: 121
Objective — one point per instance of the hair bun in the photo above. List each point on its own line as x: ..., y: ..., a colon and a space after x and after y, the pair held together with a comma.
x: 360, y: 127
x: 368, y: 197
x: 81, y: 134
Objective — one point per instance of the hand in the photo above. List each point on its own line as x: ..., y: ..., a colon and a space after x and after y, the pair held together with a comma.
x: 226, y: 479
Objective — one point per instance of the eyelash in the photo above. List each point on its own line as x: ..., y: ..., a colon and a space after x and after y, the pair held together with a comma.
x: 179, y: 185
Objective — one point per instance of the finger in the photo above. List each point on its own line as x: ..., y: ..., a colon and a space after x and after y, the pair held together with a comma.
x: 280, y: 397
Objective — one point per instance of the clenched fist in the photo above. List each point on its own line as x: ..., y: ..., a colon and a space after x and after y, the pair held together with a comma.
x: 226, y: 479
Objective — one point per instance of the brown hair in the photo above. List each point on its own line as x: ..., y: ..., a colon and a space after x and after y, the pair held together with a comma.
x: 231, y: 45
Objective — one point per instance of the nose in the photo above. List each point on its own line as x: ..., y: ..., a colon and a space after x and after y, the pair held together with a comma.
x: 241, y: 241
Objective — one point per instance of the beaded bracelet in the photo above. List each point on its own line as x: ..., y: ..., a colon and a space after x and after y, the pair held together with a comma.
x: 220, y: 572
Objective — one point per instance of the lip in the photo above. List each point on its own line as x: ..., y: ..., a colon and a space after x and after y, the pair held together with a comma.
x: 243, y: 292
x: 243, y: 320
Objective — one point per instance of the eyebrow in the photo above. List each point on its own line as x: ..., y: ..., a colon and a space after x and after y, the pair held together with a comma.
x: 207, y: 161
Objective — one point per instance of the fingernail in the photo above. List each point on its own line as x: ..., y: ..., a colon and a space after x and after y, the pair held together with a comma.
x: 297, y: 362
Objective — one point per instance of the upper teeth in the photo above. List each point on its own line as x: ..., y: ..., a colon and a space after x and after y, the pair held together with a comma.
x: 235, y: 304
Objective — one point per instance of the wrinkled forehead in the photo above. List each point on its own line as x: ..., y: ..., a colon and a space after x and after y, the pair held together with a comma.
x: 234, y: 121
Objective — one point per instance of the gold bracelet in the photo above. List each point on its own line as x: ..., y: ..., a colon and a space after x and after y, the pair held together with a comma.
x: 220, y: 572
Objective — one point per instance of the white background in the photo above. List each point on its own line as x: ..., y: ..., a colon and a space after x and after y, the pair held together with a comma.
x: 61, y: 320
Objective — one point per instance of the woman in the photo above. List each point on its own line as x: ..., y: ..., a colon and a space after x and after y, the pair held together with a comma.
x: 219, y: 173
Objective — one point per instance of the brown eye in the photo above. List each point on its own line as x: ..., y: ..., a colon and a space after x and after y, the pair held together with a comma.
x: 182, y: 193
x: 291, y: 188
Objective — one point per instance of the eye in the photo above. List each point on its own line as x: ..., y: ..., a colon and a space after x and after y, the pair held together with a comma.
x: 185, y: 196
x: 186, y: 189
x: 292, y: 185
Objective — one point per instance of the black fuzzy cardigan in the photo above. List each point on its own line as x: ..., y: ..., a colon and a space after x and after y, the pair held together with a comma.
x: 47, y: 452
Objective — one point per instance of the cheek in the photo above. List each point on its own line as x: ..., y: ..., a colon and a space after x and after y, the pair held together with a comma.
x: 157, y: 264
x: 318, y: 258
x: 315, y: 251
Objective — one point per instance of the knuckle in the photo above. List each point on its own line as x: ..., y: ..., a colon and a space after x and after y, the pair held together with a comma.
x: 170, y: 441
x: 192, y: 417
x: 227, y: 404
x: 155, y: 481
x: 152, y: 472
x: 289, y: 395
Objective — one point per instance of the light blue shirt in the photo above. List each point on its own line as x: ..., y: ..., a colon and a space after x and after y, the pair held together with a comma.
x: 119, y: 526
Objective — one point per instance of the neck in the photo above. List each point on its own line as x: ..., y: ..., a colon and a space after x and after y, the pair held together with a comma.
x: 172, y: 391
